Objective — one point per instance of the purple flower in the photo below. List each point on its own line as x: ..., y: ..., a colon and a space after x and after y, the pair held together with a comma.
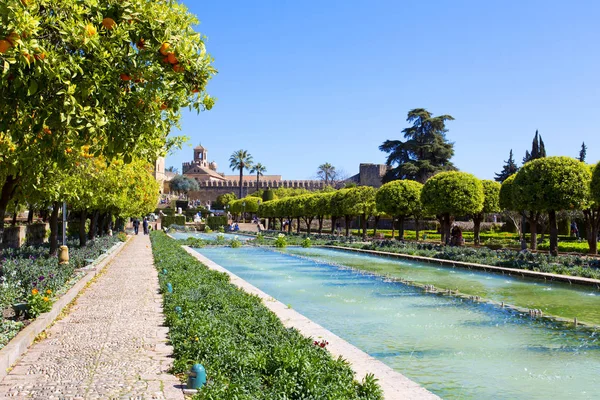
x: 41, y: 278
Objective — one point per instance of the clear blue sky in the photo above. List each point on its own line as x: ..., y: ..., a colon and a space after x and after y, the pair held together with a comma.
x: 301, y: 83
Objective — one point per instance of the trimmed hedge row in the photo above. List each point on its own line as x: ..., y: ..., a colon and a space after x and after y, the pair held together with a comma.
x: 216, y: 221
x: 168, y: 220
x: 246, y: 350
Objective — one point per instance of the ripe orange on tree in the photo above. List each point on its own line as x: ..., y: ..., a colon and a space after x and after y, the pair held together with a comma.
x: 4, y: 46
x: 108, y: 23
x: 164, y: 48
x: 125, y: 77
x: 141, y: 44
x: 178, y: 68
x: 13, y: 37
x: 172, y: 58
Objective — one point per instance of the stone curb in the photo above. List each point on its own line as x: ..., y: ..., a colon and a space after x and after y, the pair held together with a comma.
x: 394, y: 384
x: 18, y: 345
x: 488, y: 268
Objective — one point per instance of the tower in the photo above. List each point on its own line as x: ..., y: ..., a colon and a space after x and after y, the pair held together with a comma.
x: 200, y: 156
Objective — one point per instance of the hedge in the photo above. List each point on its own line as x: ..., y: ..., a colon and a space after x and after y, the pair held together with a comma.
x: 216, y: 221
x: 168, y: 220
x: 246, y: 350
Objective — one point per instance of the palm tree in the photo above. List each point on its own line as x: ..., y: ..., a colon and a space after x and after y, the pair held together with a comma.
x: 327, y: 172
x: 241, y: 160
x: 259, y: 170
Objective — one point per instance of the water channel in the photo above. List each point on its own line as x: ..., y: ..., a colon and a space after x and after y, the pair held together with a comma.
x: 455, y: 348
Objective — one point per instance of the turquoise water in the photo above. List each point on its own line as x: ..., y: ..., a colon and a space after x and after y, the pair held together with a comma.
x: 209, y: 236
x: 456, y: 349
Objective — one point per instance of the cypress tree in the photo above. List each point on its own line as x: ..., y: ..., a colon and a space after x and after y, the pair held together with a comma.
x: 582, y: 152
x: 509, y: 168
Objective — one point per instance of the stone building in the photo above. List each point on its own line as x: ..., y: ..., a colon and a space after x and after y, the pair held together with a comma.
x: 213, y: 183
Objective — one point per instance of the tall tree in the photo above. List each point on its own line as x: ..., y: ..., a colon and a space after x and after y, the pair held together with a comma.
x: 510, y: 168
x: 240, y: 160
x: 259, y: 170
x: 425, y: 152
x: 491, y: 200
x: 549, y: 185
x: 327, y: 173
x: 183, y: 184
x: 538, y: 149
x: 452, y: 194
x: 400, y: 199
x: 582, y: 152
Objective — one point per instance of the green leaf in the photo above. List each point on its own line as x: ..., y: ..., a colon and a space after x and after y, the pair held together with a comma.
x: 33, y: 87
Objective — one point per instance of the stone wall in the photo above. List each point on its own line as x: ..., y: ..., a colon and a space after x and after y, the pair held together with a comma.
x: 209, y: 191
x: 371, y: 174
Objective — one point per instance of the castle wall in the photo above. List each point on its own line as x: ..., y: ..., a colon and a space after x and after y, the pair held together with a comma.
x: 209, y: 191
x: 371, y: 174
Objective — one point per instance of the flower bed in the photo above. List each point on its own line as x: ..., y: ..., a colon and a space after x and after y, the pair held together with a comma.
x: 564, y: 265
x: 27, y: 275
x: 245, y: 348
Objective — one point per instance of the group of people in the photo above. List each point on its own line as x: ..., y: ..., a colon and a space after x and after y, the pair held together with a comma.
x: 233, y: 227
x: 145, y: 226
x: 456, y: 237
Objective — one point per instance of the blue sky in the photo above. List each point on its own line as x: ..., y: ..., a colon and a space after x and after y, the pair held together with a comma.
x: 301, y: 83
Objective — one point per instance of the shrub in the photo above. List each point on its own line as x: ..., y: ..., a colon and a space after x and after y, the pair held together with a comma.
x: 235, y: 243
x: 207, y: 229
x: 220, y: 239
x: 221, y: 229
x: 38, y: 303
x: 215, y: 222
x: 168, y: 220
x: 306, y: 242
x: 244, y: 347
x: 122, y: 236
x: 280, y: 241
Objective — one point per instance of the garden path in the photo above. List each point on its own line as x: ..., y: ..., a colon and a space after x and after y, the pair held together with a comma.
x: 111, y: 344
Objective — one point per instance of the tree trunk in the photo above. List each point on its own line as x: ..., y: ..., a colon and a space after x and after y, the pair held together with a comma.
x: 289, y: 225
x: 592, y: 220
x: 30, y: 215
x: 100, y: 225
x: 533, y: 229
x: 320, y: 218
x: 401, y: 227
x: 8, y: 191
x: 417, y: 221
x: 393, y: 226
x: 82, y: 235
x: 241, y: 179
x: 364, y: 226
x: 333, y: 220
x: 15, y: 214
x: 477, y: 218
x: 93, y: 225
x: 553, y: 233
x: 377, y: 217
x: 446, y: 223
x: 347, y: 219
x: 297, y: 224
x: 308, y: 222
x: 54, y: 228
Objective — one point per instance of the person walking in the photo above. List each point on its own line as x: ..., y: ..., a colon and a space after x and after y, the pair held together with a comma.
x: 145, y: 225
x: 136, y: 225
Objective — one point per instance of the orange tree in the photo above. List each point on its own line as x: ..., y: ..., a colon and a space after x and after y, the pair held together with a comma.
x: 105, y: 74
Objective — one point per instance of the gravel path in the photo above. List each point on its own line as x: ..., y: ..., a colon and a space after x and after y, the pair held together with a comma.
x: 111, y: 345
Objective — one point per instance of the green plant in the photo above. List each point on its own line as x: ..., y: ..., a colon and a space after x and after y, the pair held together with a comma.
x: 235, y: 243
x: 215, y: 222
x: 220, y: 239
x: 260, y: 239
x: 38, y: 303
x: 122, y: 236
x: 248, y: 350
x: 207, y: 229
x: 280, y: 241
x: 173, y: 220
x: 306, y: 242
x: 221, y: 229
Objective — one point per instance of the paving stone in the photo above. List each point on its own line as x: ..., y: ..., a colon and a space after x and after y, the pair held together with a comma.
x: 111, y: 345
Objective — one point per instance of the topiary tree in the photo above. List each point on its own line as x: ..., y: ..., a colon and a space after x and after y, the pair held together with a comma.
x: 399, y: 199
x: 338, y: 209
x: 591, y: 211
x: 360, y: 201
x: 507, y: 203
x: 450, y: 194
x: 551, y: 184
x: 491, y: 204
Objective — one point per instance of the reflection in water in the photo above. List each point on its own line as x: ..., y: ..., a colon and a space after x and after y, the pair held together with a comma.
x: 457, y: 349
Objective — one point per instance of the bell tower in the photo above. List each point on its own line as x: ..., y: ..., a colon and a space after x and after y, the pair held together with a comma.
x: 200, y: 156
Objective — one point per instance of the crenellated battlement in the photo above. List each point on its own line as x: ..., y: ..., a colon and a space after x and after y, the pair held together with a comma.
x: 303, y: 184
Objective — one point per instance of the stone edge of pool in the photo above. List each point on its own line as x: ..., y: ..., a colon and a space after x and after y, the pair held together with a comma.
x: 488, y: 268
x: 394, y: 384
